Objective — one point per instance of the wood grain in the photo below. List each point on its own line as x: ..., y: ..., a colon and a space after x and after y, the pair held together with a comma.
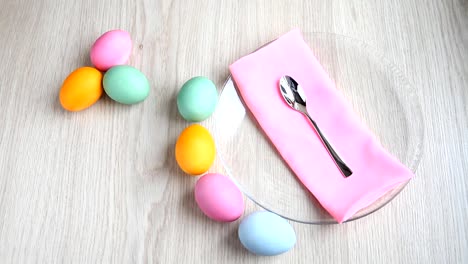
x: 101, y: 186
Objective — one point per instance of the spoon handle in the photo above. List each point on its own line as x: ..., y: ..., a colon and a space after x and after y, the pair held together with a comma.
x: 345, y: 170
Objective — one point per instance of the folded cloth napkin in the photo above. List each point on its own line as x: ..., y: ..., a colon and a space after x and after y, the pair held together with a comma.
x: 375, y: 171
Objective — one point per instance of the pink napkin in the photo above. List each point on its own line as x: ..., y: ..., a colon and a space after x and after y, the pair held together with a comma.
x: 375, y: 171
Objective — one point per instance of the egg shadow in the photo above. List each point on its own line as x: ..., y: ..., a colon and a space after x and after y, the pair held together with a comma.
x: 190, y: 205
x: 232, y: 242
x: 85, y: 59
x: 106, y: 100
x: 57, y: 106
x: 174, y: 111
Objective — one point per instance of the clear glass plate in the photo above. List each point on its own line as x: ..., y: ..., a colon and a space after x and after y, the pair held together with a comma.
x: 379, y: 93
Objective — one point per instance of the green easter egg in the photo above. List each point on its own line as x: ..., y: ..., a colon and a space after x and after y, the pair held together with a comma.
x: 197, y: 99
x: 126, y: 84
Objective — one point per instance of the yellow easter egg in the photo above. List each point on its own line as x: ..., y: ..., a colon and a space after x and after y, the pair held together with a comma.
x: 195, y: 150
x: 81, y: 89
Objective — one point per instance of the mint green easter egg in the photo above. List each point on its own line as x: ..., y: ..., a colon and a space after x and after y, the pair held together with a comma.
x: 197, y: 99
x: 126, y: 84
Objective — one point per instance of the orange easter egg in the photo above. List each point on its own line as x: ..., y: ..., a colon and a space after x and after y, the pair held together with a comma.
x: 195, y: 150
x: 81, y: 89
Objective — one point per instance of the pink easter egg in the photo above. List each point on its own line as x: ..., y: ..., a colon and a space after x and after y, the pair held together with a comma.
x: 219, y: 198
x: 110, y: 49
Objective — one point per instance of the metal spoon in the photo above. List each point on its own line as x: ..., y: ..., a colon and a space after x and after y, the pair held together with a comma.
x: 295, y: 97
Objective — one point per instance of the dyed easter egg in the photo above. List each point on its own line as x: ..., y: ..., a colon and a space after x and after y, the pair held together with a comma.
x: 197, y: 99
x: 110, y: 49
x: 126, y: 84
x: 195, y: 150
x: 219, y: 198
x: 267, y: 234
x: 81, y: 89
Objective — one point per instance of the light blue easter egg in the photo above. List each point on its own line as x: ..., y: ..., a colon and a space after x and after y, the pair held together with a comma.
x: 126, y: 84
x: 197, y: 99
x: 267, y: 234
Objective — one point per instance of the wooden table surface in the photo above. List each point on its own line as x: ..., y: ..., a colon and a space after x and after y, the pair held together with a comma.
x: 101, y: 186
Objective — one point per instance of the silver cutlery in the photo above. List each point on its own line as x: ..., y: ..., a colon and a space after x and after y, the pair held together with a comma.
x: 295, y: 97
